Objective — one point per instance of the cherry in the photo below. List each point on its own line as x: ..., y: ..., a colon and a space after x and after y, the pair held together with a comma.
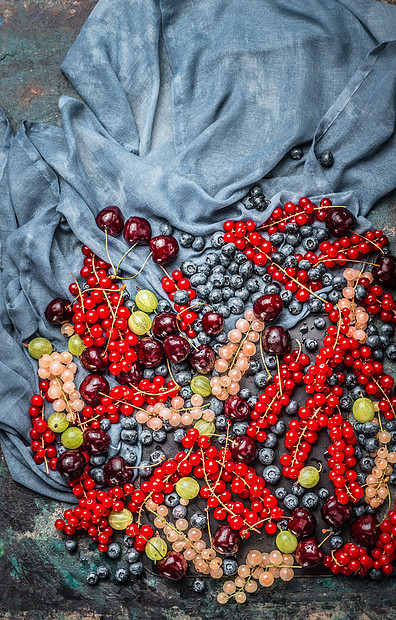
x: 164, y: 248
x: 176, y: 348
x: 203, y: 359
x: 226, y: 540
x: 96, y: 441
x: 173, y: 566
x: 115, y: 471
x: 268, y: 307
x: 340, y: 221
x: 308, y: 553
x: 110, y: 219
x: 149, y: 351
x: 334, y: 513
x: 137, y: 230
x: 71, y: 465
x: 58, y: 311
x: 276, y: 340
x: 236, y: 408
x: 212, y: 323
x: 94, y: 359
x: 365, y: 530
x: 133, y: 375
x: 164, y: 325
x: 386, y: 270
x: 243, y: 449
x: 92, y: 389
x: 302, y: 522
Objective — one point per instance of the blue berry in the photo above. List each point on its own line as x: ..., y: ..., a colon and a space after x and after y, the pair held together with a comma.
x: 136, y: 569
x: 261, y: 379
x: 198, y: 244
x: 103, y: 572
x: 229, y: 566
x: 372, y: 444
x: 92, y: 579
x: 186, y: 240
x: 336, y: 542
x: 104, y: 425
x: 179, y: 512
x: 271, y: 441
x: 280, y: 493
x: 366, y: 463
x: 323, y: 493
x: 298, y: 490
x: 295, y: 307
x: 198, y: 585
x: 146, y: 437
x: 71, y: 545
x: 97, y: 460
x: 266, y: 456
x: 290, y: 501
x: 279, y: 428
x: 114, y: 551
x: 271, y: 474
x: 287, y: 297
x: 198, y: 520
x: 159, y: 436
x: 129, y: 436
x: 217, y: 240
x: 181, y: 297
x: 292, y: 407
x: 309, y: 500
x: 270, y: 361
x: 240, y: 428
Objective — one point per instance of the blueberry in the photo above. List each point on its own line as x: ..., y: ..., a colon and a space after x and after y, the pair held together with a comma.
x: 292, y: 407
x: 255, y: 366
x: 310, y: 244
x: 181, y: 297
x: 387, y: 330
x: 179, y: 435
x: 306, y: 231
x: 291, y: 261
x: 240, y: 258
x: 129, y: 457
x: 339, y: 283
x: 186, y: 240
x: 228, y: 249
x: 217, y: 240
x: 149, y: 373
x: 240, y: 428
x: 114, y: 551
x: 103, y: 572
x: 157, y: 457
x: 287, y: 297
x: 179, y: 512
x: 128, y: 422
x: 198, y: 520
x: 183, y: 378
x: 217, y: 279
x: 242, y: 293
x: 350, y: 380
x: 366, y: 463
x: 334, y: 296
x: 385, y: 340
x: 146, y: 437
x: 327, y: 278
x: 136, y: 569
x: 216, y: 405
x: 359, y: 511
x: 336, y: 542
x: 309, y: 500
x: 280, y: 493
x: 298, y: 490
x: 197, y: 279
x: 261, y: 270
x: 129, y: 436
x: 378, y: 355
x: 105, y: 424
x: 172, y: 499
x: 186, y: 392
x: 304, y: 264
x: 270, y: 361
x: 198, y: 244
x: 278, y: 258
x: 391, y: 352
x: 314, y: 274
x: 282, y: 525
x: 166, y: 229
x: 272, y: 288
x: 293, y: 239
x: 392, y: 479
x: 279, y: 428
x: 288, y: 250
x: 322, y: 234
x: 132, y: 556
x: 198, y: 585
x: 292, y: 227
x: 277, y: 239
x: 370, y: 429
x: 271, y: 474
x: 261, y: 379
x: 266, y: 456
x: 246, y: 270
x: 97, y: 460
x: 295, y: 307
x: 252, y: 401
x: 164, y: 306
x: 97, y: 475
x: 376, y: 574
x: 71, y: 545
x: 229, y: 566
x: 159, y: 436
x: 236, y: 305
x: 345, y: 403
x: 372, y: 444
x: 245, y: 393
x: 203, y: 338
x: 92, y: 579
x: 271, y: 441
x: 360, y: 292
x: 323, y: 493
x: 296, y: 153
x: 326, y: 159
x: 332, y: 380
x: 253, y: 285
x: 188, y: 268
x: 290, y: 501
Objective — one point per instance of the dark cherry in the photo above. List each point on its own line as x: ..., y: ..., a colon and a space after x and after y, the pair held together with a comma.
x: 268, y: 307
x: 308, y: 553
x: 385, y: 273
x: 94, y: 359
x: 334, y: 513
x: 133, y: 375
x: 276, y: 340
x: 243, y: 449
x: 174, y: 566
x: 226, y: 540
x: 92, y: 389
x: 164, y: 248
x: 365, y: 530
x: 212, y: 323
x: 110, y: 219
x: 176, y: 348
x: 58, y: 311
x: 203, y: 359
x: 115, y: 471
x: 340, y: 221
x: 302, y: 522
x: 164, y: 325
x: 96, y: 441
x: 236, y: 408
x: 149, y: 351
x: 71, y: 465
x: 137, y: 230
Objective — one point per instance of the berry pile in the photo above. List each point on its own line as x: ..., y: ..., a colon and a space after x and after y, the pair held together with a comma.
x: 209, y: 379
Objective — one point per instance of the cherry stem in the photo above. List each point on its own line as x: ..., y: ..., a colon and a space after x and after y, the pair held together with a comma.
x: 140, y: 270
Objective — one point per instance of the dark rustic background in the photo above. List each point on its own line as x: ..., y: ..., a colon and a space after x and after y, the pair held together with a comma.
x: 38, y: 579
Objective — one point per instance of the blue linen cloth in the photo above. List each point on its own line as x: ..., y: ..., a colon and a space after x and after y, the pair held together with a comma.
x: 186, y: 105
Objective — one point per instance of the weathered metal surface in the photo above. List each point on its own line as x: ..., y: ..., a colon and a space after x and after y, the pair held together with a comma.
x: 38, y: 579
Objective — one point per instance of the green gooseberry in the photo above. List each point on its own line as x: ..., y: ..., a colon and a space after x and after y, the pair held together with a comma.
x: 286, y: 542
x: 120, y: 520
x: 201, y: 385
x: 187, y: 488
x: 72, y: 438
x: 205, y: 428
x: 309, y: 477
x: 39, y: 347
x: 57, y: 422
x: 156, y: 548
x: 146, y: 301
x: 139, y: 323
x: 76, y: 345
x: 363, y: 410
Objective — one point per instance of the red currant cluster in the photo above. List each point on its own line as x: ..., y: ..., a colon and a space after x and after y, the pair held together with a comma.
x: 350, y: 560
x: 345, y: 249
x: 178, y: 282
x: 384, y: 553
x: 42, y: 444
x: 379, y: 302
